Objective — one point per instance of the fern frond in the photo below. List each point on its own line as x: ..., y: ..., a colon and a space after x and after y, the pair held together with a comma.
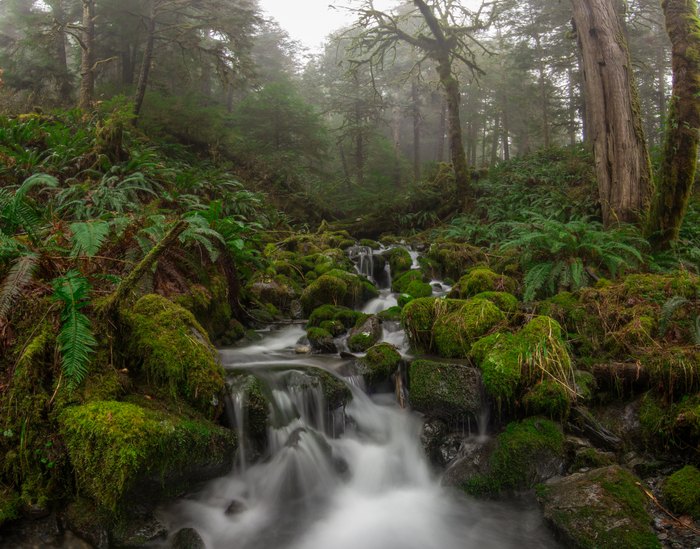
x: 17, y: 279
x: 88, y: 237
x: 535, y: 278
x: 75, y: 339
x: 671, y: 306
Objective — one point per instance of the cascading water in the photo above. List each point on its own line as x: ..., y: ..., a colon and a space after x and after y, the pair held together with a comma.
x: 364, y: 484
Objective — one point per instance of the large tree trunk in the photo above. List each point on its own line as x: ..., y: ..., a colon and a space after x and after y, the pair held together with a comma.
x: 681, y: 143
x: 415, y: 111
x: 145, y: 65
x: 440, y: 151
x: 87, y: 63
x: 64, y: 78
x: 623, y: 169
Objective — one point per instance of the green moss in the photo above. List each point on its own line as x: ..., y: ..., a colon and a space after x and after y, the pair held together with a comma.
x: 482, y: 279
x: 334, y: 327
x: 673, y: 426
x: 112, y: 445
x: 500, y: 357
x: 337, y: 287
x: 590, y: 458
x: 520, y: 450
x: 585, y: 385
x: 9, y: 505
x: 447, y: 391
x: 453, y: 259
x: 673, y: 370
x: 174, y: 352
x: 419, y: 289
x: 599, y: 508
x: 547, y: 355
x: 400, y: 284
x: 392, y: 314
x: 547, y: 398
x: 682, y: 491
x: 403, y: 300
x: 399, y: 260
x: 370, y: 243
x: 454, y: 333
x: 321, y: 340
x: 380, y: 363
x: 506, y: 302
x: 418, y: 317
x: 366, y: 333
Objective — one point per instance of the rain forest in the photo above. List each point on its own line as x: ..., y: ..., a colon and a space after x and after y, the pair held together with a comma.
x: 434, y: 284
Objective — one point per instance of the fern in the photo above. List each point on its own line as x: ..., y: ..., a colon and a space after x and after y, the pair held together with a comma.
x: 20, y: 275
x: 88, y: 237
x: 75, y: 339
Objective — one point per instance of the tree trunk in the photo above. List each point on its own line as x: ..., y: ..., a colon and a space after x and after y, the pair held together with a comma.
x: 145, y: 65
x: 87, y: 63
x: 396, y: 131
x: 415, y: 109
x: 506, y: 129
x: 623, y: 169
x: 572, y: 107
x: 680, y: 152
x: 64, y: 79
x: 496, y: 136
x: 440, y: 152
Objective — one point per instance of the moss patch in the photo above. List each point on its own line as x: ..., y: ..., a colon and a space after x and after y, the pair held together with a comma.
x: 9, y: 505
x: 400, y: 284
x: 418, y: 318
x: 454, y: 333
x: 682, y: 491
x: 380, y: 363
x: 453, y: 259
x: 113, y: 445
x: 526, y: 453
x: 599, y: 508
x: 451, y: 392
x: 506, y: 302
x: 482, y: 279
x: 547, y: 398
x: 399, y: 260
x: 175, y: 352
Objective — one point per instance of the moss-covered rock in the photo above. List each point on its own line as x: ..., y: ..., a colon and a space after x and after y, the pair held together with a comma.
x: 400, y: 284
x: 479, y: 280
x: 118, y: 447
x: 337, y: 287
x: 454, y: 333
x: 500, y: 357
x: 366, y: 333
x: 506, y: 302
x: 399, y: 260
x: 345, y: 315
x: 526, y: 453
x: 453, y: 259
x: 682, y: 491
x: 599, y: 508
x: 334, y: 327
x: 255, y: 404
x: 278, y: 291
x: 379, y: 364
x: 321, y: 340
x: 671, y: 425
x: 418, y: 317
x: 451, y: 392
x: 392, y: 314
x: 547, y: 398
x: 419, y: 289
x: 174, y: 353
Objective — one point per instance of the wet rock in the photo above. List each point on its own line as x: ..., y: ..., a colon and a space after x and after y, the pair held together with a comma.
x: 379, y: 364
x: 302, y: 349
x: 321, y: 341
x: 431, y: 436
x: 138, y: 532
x: 599, y: 508
x: 471, y: 460
x: 365, y: 335
x: 236, y: 507
x: 188, y: 538
x: 85, y: 521
x: 440, y: 390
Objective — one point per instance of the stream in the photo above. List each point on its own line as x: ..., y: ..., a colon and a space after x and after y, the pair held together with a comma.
x: 351, y: 478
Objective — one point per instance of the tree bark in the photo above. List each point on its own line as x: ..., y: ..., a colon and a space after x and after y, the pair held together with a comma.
x: 680, y: 151
x: 87, y: 63
x: 145, y: 64
x: 415, y: 111
x: 496, y: 135
x: 440, y: 151
x: 622, y: 164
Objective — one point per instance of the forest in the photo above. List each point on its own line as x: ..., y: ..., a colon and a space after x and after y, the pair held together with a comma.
x: 433, y: 285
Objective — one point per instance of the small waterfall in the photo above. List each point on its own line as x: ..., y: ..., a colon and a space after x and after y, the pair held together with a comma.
x: 363, y: 258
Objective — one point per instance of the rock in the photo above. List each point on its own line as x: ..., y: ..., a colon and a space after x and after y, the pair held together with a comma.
x: 379, y: 364
x: 682, y: 491
x: 471, y: 461
x: 454, y: 333
x: 482, y: 279
x: 431, y: 437
x: 138, y: 532
x: 188, y: 538
x: 302, y: 349
x: 365, y: 335
x: 321, y: 341
x: 440, y: 390
x: 599, y: 508
x: 83, y: 519
x: 418, y: 317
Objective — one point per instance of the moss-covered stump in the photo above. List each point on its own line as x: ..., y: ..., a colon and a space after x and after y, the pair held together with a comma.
x: 599, y: 508
x: 366, y: 333
x: 526, y: 453
x: 451, y: 392
x: 451, y: 259
x: 379, y: 364
x: 121, y: 451
x: 482, y: 279
x: 174, y: 353
x: 337, y: 287
x: 682, y: 491
x: 418, y: 317
x: 321, y: 340
x: 454, y: 333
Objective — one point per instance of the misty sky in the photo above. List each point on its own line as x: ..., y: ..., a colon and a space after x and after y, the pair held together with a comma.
x: 310, y: 21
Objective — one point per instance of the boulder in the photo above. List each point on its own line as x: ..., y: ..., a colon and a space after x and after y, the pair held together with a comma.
x: 365, y: 334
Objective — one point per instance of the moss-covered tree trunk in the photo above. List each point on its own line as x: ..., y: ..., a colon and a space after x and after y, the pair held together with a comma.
x: 622, y: 165
x: 87, y: 62
x: 680, y: 152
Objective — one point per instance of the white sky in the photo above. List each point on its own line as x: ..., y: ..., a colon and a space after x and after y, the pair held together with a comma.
x: 310, y: 21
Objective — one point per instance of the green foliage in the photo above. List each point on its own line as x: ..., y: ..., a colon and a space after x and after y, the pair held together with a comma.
x: 557, y: 256
x: 17, y: 279
x: 75, y: 339
x: 88, y: 237
x: 454, y: 333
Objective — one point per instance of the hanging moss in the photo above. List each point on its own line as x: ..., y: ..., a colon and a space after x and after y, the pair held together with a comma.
x: 482, y: 279
x: 115, y: 445
x: 682, y: 491
x: 454, y: 333
x: 174, y: 352
x: 526, y: 453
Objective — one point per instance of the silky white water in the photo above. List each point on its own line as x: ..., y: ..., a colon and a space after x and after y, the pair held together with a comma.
x: 363, y: 485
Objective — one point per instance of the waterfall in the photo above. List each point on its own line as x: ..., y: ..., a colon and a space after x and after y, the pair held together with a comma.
x: 363, y: 258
